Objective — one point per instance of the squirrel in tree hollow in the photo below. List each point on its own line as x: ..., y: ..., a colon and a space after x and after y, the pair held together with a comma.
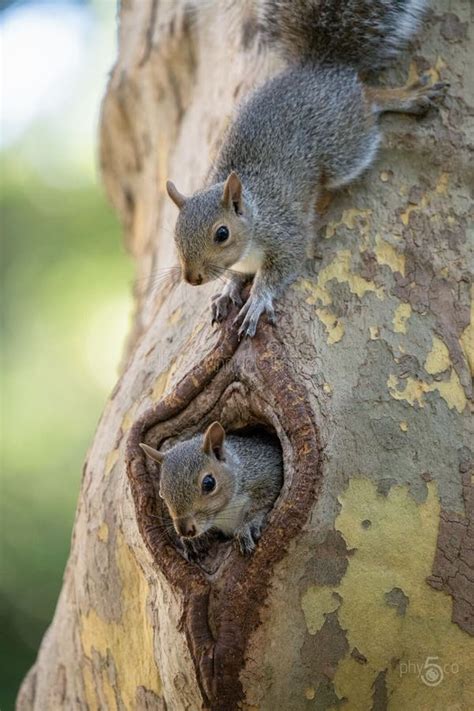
x: 221, y: 483
x: 310, y: 129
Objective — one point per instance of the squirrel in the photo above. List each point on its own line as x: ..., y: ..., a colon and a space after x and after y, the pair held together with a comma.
x: 309, y: 130
x: 221, y: 483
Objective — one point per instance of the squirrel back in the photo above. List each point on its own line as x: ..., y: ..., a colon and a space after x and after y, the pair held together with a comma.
x: 312, y: 128
x: 363, y: 34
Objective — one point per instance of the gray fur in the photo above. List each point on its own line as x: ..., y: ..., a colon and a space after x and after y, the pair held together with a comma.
x: 308, y: 129
x: 251, y: 474
x: 312, y: 130
x: 260, y: 468
x: 179, y: 473
x: 363, y: 34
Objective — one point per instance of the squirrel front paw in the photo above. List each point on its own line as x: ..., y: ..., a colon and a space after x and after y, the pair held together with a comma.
x: 221, y: 303
x: 195, y: 549
x: 247, y: 537
x: 249, y: 314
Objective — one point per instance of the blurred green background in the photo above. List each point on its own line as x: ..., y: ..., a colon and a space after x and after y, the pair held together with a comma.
x: 66, y: 299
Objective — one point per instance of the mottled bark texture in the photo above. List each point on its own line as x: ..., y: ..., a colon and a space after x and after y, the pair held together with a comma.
x: 360, y: 594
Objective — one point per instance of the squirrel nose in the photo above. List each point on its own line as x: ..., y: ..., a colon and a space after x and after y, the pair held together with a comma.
x: 194, y: 279
x: 187, y: 529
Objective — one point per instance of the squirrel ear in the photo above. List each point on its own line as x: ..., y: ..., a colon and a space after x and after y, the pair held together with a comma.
x: 153, y: 453
x: 214, y: 440
x: 178, y: 198
x: 232, y: 195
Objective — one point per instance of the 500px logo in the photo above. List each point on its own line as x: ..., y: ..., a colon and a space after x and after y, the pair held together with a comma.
x: 431, y: 672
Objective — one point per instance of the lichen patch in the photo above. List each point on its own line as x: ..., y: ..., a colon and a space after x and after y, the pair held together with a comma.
x: 400, y: 318
x: 131, y: 654
x: 396, y: 553
x: 388, y: 255
x: 438, y: 359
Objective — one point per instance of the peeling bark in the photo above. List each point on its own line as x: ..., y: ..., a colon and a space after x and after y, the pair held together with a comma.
x: 365, y: 569
x: 251, y: 383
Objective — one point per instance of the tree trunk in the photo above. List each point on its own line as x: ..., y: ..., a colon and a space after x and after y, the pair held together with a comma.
x: 360, y: 593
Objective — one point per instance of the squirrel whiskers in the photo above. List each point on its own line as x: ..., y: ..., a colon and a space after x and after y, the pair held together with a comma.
x: 221, y: 483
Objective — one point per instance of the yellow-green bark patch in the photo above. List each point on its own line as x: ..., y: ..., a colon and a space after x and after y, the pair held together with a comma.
x: 316, y: 603
x: 413, y: 391
x: 388, y: 255
x: 111, y: 460
x: 467, y: 337
x: 437, y: 359
x: 397, y: 551
x: 400, y: 318
x: 334, y: 327
x: 129, y: 642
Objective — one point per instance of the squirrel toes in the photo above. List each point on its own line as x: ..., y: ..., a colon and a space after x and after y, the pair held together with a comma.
x: 219, y: 482
x: 310, y: 129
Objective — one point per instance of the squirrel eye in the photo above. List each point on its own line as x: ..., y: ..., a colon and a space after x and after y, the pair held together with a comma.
x: 208, y: 484
x: 221, y: 234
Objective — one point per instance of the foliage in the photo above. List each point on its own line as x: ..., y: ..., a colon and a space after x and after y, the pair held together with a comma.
x: 66, y: 301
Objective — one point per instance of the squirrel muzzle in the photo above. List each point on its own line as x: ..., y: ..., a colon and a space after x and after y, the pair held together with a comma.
x: 186, y: 527
x: 193, y: 276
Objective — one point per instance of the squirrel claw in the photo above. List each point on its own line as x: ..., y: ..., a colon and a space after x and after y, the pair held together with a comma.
x: 219, y: 307
x: 425, y: 96
x: 194, y: 550
x: 221, y: 303
x: 249, y: 314
x: 245, y: 541
x: 248, y: 535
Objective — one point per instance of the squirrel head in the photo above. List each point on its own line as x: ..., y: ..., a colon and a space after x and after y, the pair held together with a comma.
x: 213, y: 229
x: 196, y: 480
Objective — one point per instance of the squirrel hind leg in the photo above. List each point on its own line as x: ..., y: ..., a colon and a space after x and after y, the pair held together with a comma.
x: 415, y: 99
x: 358, y: 163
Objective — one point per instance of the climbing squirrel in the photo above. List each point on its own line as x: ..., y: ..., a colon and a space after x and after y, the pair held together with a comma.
x: 311, y: 129
x: 219, y: 482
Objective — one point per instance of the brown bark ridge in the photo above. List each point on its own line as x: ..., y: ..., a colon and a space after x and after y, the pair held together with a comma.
x: 360, y: 593
x: 253, y: 385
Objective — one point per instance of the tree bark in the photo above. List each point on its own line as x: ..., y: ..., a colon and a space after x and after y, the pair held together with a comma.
x: 360, y: 593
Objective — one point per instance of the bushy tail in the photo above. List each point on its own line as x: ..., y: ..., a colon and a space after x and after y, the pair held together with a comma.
x: 360, y: 33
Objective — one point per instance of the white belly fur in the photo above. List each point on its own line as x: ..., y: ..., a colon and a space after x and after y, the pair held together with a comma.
x: 251, y: 262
